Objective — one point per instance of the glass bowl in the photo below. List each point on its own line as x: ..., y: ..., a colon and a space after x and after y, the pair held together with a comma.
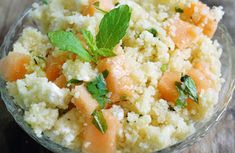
x: 202, y: 128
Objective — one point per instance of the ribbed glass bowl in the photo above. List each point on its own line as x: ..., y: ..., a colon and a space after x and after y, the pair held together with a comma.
x: 202, y: 128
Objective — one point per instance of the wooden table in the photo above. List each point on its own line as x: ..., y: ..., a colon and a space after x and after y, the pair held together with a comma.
x: 221, y: 139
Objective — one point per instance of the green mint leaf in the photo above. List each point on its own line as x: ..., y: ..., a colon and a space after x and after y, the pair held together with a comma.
x: 74, y: 81
x: 45, y: 2
x: 99, y: 121
x: 90, y: 40
x: 113, y: 27
x: 67, y: 41
x: 179, y: 10
x: 164, y: 68
x: 153, y: 31
x: 97, y: 88
x: 182, y: 99
x: 190, y: 87
x: 104, y: 52
x: 105, y: 73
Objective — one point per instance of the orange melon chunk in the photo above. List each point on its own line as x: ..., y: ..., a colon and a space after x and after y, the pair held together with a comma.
x: 199, y: 14
x: 183, y: 33
x: 61, y: 81
x: 54, y: 66
x: 90, y: 9
x: 118, y: 80
x: 96, y: 142
x: 167, y: 86
x: 12, y: 67
x: 84, y: 102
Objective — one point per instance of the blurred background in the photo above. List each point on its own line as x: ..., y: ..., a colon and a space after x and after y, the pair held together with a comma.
x: 221, y: 138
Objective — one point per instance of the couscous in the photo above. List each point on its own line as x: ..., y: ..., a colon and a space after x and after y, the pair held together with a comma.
x: 116, y: 76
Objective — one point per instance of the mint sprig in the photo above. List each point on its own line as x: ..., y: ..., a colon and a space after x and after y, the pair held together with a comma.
x: 67, y: 41
x: 113, y: 27
x: 99, y: 121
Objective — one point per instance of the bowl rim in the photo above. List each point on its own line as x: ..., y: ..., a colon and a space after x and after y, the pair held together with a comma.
x: 179, y: 146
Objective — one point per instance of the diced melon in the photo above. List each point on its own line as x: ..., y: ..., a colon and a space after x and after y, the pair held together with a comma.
x: 96, y: 142
x: 183, y: 33
x: 54, y: 66
x: 167, y: 88
x: 61, y: 81
x: 118, y: 80
x: 90, y: 9
x: 84, y: 101
x: 199, y: 14
x: 12, y: 67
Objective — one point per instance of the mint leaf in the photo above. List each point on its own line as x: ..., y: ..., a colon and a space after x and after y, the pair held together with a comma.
x: 104, y: 52
x: 45, y: 2
x: 190, y: 87
x: 179, y: 10
x: 105, y: 73
x: 97, y: 88
x: 186, y: 89
x: 99, y: 121
x: 182, y: 99
x: 113, y: 27
x: 90, y: 40
x: 74, y: 81
x: 67, y: 41
x: 153, y: 31
x: 164, y: 68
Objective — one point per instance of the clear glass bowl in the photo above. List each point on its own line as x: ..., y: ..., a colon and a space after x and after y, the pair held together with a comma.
x: 228, y: 73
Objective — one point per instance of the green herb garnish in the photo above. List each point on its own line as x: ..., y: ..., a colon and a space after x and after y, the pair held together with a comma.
x: 98, y: 90
x: 186, y: 89
x: 179, y: 10
x: 99, y: 121
x: 45, y: 2
x: 67, y: 41
x: 105, y: 73
x: 113, y: 27
x: 190, y: 87
x: 153, y: 31
x: 74, y: 81
x: 164, y: 68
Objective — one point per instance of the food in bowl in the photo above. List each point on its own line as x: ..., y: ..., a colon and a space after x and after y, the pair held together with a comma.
x: 116, y: 76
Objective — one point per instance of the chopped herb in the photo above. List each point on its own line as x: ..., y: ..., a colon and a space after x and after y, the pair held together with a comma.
x: 182, y: 99
x: 179, y: 10
x: 98, y: 90
x: 186, y: 89
x: 113, y: 27
x: 190, y: 87
x: 116, y: 4
x: 99, y: 121
x: 105, y: 73
x: 35, y: 61
x: 153, y: 31
x: 45, y: 2
x: 97, y: 4
x: 74, y: 81
x: 67, y: 41
x: 164, y: 68
x: 40, y: 57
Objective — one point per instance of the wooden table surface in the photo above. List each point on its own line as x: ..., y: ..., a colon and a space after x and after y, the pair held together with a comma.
x: 221, y: 138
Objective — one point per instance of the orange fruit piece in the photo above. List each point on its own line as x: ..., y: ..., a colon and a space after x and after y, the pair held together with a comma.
x: 96, y: 142
x: 61, y: 81
x: 199, y: 14
x: 183, y: 33
x: 12, y: 67
x: 118, y: 80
